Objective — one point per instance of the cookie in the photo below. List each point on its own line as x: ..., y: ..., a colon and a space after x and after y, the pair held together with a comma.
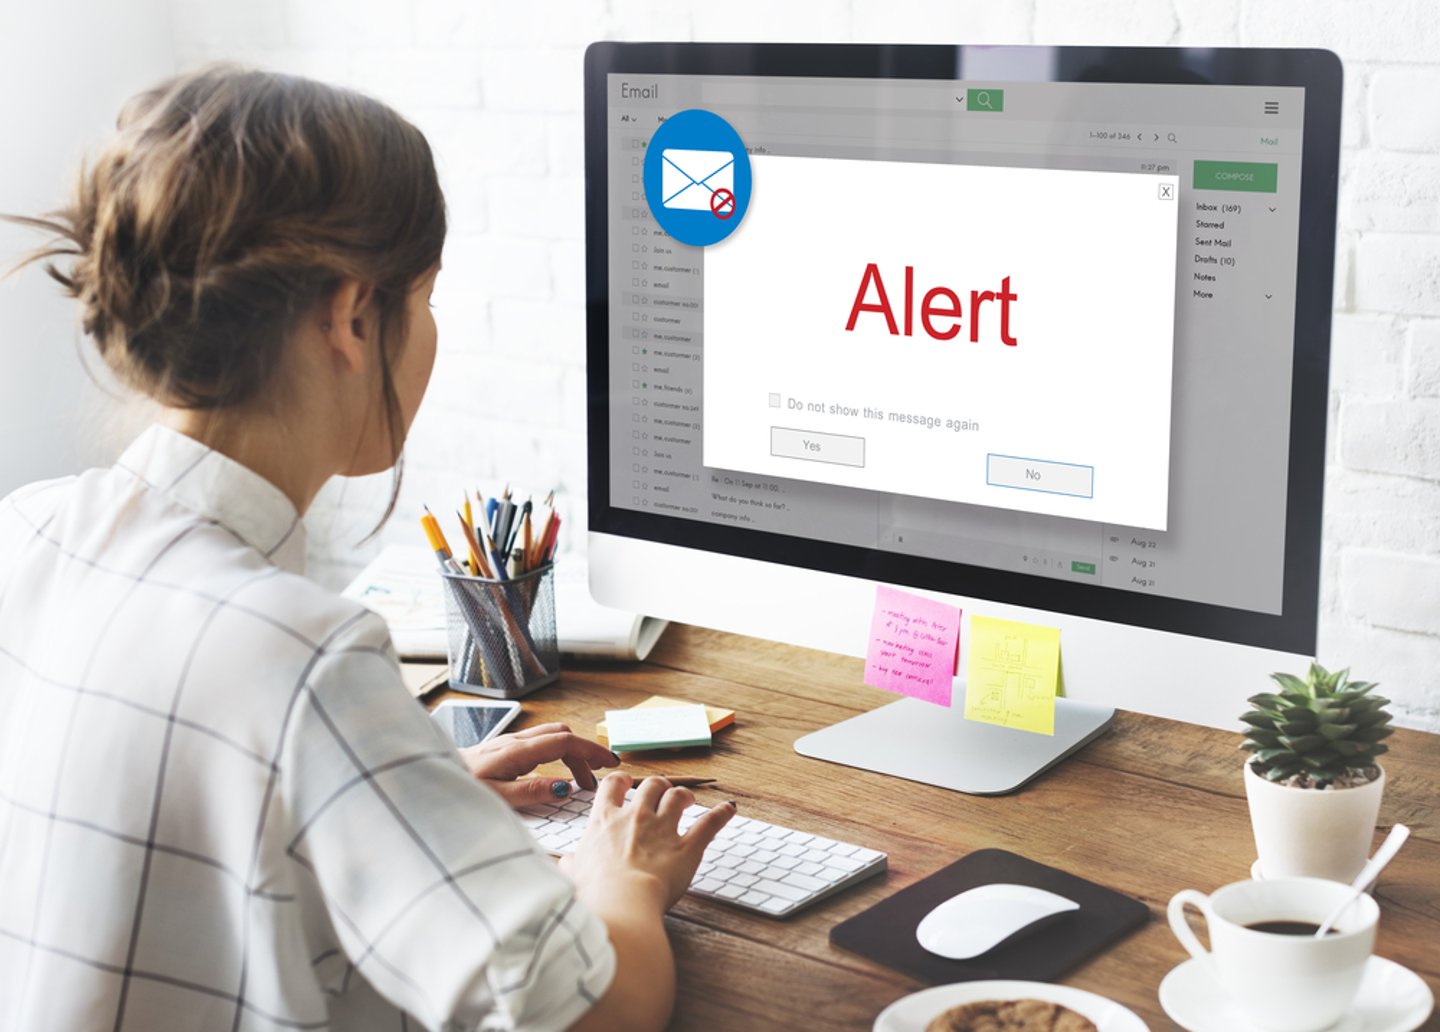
x: 1010, y: 1016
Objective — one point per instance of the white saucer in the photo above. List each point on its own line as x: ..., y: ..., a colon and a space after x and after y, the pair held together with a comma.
x: 912, y: 1013
x: 1391, y: 999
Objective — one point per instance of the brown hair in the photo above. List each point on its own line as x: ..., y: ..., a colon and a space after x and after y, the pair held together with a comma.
x: 229, y: 204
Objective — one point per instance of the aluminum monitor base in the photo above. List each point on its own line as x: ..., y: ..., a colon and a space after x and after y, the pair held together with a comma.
x: 919, y: 741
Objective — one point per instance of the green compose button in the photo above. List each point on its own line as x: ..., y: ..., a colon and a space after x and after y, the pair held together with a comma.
x: 1076, y: 566
x: 1250, y: 176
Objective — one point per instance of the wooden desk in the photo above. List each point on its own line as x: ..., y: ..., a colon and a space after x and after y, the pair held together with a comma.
x: 1154, y: 806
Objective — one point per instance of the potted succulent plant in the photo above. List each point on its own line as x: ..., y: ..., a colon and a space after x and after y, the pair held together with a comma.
x: 1313, y: 784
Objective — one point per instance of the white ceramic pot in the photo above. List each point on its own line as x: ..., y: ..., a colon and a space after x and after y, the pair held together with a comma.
x: 1305, y: 833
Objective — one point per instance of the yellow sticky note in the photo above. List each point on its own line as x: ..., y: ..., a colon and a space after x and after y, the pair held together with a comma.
x: 1013, y: 673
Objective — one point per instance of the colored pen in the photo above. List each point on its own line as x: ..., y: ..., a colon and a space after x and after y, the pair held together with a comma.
x: 677, y: 782
x: 496, y: 558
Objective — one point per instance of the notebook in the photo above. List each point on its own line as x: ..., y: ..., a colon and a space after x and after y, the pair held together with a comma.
x: 886, y: 932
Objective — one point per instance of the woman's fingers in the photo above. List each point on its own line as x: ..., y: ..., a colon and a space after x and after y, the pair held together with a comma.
x: 611, y: 793
x: 650, y: 792
x: 673, y: 804
x: 707, y: 826
x: 579, y: 754
x: 524, y: 792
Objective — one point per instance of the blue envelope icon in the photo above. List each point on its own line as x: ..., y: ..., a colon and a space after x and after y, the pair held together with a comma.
x: 690, y: 178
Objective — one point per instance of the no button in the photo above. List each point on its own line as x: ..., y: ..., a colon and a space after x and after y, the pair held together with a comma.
x: 1062, y: 478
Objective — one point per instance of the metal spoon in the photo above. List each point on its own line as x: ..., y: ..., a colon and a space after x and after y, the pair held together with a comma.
x: 1393, y: 841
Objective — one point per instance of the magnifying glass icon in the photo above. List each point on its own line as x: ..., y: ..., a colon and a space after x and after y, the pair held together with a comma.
x: 1171, y: 137
x: 982, y: 100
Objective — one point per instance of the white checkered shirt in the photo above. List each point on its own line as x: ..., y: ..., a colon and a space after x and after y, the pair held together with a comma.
x: 219, y: 808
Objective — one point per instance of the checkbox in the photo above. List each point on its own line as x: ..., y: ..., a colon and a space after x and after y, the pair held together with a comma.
x: 635, y: 434
x: 774, y: 400
x: 634, y: 367
x: 635, y: 384
x: 634, y: 349
x: 634, y: 281
x: 635, y: 467
x: 634, y: 451
x: 634, y: 179
x: 635, y: 263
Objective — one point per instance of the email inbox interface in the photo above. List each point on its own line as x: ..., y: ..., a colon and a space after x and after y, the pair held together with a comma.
x: 934, y: 340
x: 939, y: 331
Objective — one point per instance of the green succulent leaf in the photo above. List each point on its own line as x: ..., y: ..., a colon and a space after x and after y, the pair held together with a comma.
x: 1301, y: 743
x: 1336, y: 732
x: 1290, y: 683
x: 1373, y: 734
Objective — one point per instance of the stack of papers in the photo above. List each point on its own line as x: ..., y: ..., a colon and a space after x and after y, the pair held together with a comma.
x: 657, y: 727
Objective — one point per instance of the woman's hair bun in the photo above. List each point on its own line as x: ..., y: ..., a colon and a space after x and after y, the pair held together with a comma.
x: 229, y: 203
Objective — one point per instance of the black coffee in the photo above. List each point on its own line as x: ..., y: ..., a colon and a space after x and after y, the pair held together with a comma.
x: 1287, y: 928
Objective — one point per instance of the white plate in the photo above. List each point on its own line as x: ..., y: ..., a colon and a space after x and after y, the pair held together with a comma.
x: 1390, y: 999
x: 912, y: 1013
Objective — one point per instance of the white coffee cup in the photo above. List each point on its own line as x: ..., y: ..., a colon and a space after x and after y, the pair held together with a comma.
x: 1288, y: 983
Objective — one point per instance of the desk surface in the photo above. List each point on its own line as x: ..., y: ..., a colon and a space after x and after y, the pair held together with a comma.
x: 1152, y: 807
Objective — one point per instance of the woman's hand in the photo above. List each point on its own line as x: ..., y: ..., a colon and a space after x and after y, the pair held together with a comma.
x: 505, y: 762
x: 636, y: 846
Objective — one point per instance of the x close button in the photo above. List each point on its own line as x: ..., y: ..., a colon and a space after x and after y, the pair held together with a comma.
x: 1167, y: 191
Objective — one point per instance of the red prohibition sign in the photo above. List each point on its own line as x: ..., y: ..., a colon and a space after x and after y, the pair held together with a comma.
x: 722, y: 204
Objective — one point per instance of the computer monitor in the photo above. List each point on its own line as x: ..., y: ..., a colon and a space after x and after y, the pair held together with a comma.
x: 1042, y: 330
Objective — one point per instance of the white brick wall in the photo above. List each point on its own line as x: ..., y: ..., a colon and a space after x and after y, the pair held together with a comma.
x: 496, y: 84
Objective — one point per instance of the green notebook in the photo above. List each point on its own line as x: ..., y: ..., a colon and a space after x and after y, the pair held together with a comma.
x: 659, y: 727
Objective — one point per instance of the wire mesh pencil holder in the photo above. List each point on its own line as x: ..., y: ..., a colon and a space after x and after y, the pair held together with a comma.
x: 501, y: 634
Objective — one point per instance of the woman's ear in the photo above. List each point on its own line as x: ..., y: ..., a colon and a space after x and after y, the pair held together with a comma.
x: 348, y: 323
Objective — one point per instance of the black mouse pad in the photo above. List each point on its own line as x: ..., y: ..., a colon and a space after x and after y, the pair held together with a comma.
x: 886, y: 932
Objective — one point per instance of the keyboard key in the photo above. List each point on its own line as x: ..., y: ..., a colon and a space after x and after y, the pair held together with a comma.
x: 754, y: 899
x: 786, y: 863
x: 808, y: 868
x: 802, y: 881
x: 865, y: 856
x: 791, y: 892
x: 776, y: 905
x: 706, y: 885
x: 744, y: 880
x: 730, y: 892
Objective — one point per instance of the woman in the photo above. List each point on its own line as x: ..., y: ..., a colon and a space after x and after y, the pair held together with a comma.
x: 218, y: 806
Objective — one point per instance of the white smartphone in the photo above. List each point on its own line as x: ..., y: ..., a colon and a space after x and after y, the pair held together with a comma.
x: 472, y: 721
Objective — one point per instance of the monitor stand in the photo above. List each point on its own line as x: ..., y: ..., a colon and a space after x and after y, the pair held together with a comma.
x: 919, y: 741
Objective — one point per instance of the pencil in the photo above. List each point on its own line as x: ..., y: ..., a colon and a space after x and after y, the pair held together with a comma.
x: 677, y: 782
x: 478, y: 566
x: 438, y: 544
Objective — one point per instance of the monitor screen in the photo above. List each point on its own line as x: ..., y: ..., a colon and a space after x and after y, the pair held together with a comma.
x: 987, y: 321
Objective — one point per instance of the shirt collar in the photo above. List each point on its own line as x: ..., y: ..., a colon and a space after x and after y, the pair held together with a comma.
x: 219, y: 488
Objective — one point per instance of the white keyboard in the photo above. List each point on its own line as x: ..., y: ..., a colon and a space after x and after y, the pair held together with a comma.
x: 761, y: 867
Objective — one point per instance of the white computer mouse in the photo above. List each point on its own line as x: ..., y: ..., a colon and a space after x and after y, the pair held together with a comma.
x: 979, y: 919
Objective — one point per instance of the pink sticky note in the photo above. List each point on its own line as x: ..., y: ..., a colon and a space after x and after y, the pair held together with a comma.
x: 914, y: 645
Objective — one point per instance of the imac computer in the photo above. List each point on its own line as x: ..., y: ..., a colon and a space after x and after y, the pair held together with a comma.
x: 1042, y: 332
